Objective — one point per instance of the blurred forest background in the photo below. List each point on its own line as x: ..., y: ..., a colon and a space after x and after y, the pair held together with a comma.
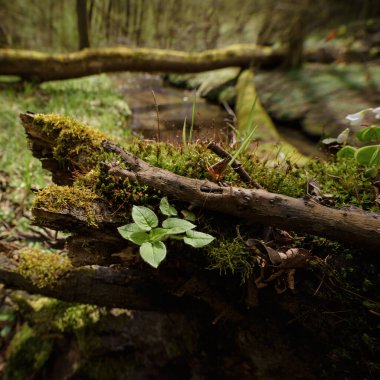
x: 49, y: 25
x: 322, y: 330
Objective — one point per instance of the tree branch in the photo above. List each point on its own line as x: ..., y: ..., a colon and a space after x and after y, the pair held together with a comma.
x: 254, y: 205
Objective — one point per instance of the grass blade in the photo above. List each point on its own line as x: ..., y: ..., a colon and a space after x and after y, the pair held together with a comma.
x: 192, y: 119
x: 184, y: 132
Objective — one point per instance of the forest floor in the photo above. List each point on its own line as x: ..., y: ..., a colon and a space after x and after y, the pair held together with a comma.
x: 101, y: 102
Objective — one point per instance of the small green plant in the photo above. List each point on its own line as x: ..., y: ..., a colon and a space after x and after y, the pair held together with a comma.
x: 368, y: 155
x: 146, y: 233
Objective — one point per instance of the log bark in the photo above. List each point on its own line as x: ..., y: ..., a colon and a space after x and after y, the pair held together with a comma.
x: 38, y: 66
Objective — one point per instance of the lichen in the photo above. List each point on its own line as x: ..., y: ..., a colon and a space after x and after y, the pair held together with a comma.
x: 42, y: 268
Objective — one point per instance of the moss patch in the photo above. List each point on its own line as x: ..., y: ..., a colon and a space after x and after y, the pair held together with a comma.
x: 60, y: 198
x: 73, y: 141
x: 232, y: 257
x: 41, y: 267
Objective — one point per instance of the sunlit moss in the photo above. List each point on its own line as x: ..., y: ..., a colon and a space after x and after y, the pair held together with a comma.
x: 72, y: 140
x: 60, y: 198
x: 41, y: 267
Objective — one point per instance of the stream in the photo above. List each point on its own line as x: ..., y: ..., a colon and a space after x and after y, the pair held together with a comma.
x: 175, y: 104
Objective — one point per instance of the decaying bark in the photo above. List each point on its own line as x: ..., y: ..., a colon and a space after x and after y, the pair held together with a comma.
x: 38, y: 66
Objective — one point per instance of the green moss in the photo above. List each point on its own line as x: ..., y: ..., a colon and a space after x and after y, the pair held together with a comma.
x: 345, y: 179
x: 41, y: 267
x: 232, y: 257
x: 26, y: 354
x: 63, y: 316
x: 60, y: 198
x: 72, y: 140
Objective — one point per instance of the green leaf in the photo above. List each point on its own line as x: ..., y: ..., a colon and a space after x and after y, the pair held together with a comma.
x: 188, y: 215
x: 198, y: 239
x: 368, y: 155
x: 153, y: 253
x: 346, y: 152
x: 144, y: 217
x: 166, y: 208
x: 158, y: 234
x: 369, y: 134
x: 139, y: 237
x: 177, y: 226
x: 127, y: 230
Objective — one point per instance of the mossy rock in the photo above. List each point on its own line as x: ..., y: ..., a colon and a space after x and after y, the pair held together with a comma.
x: 209, y: 84
x: 320, y: 96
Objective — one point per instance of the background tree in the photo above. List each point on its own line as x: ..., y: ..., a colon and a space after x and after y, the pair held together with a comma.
x: 82, y: 18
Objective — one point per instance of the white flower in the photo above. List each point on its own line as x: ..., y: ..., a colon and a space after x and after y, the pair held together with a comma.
x: 376, y: 111
x: 362, y: 117
x: 355, y: 119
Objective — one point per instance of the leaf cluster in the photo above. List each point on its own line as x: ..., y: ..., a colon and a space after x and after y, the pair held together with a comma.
x: 146, y: 232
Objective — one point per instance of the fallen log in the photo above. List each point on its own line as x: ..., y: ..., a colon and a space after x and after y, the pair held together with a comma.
x: 254, y: 205
x: 37, y: 66
x: 40, y: 67
x: 249, y: 205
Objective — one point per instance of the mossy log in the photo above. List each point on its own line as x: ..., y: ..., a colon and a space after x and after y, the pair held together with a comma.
x: 249, y: 205
x: 38, y: 66
x: 98, y: 285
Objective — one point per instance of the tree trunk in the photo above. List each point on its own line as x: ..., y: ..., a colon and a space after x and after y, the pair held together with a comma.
x: 82, y: 20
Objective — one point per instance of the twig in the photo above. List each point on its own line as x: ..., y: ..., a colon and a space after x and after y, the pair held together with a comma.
x: 236, y: 165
